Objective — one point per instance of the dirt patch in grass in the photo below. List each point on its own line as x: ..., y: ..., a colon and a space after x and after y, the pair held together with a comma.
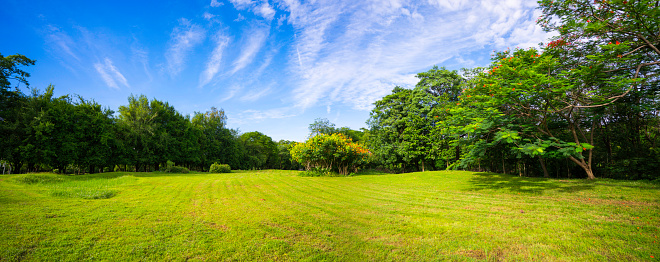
x: 220, y: 227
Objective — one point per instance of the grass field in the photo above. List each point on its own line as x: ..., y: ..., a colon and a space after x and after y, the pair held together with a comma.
x: 278, y: 215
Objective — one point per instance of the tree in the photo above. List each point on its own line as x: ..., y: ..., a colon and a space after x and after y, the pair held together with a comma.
x: 138, y: 119
x: 406, y: 126
x: 321, y: 126
x: 333, y: 152
x: 217, y: 143
x: 285, y: 160
x: 260, y: 150
x: 617, y: 40
x: 11, y: 102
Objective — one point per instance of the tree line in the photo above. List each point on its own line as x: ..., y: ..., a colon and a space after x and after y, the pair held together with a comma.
x: 42, y: 132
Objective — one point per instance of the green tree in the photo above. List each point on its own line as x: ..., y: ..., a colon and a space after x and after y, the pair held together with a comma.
x: 616, y: 40
x: 260, y: 150
x: 11, y: 102
x: 321, y: 126
x: 138, y: 121
x: 218, y: 144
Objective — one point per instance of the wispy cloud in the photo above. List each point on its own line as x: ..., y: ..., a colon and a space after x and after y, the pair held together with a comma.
x: 110, y: 74
x: 255, y: 95
x: 354, y: 52
x: 182, y: 40
x: 231, y: 92
x: 255, y: 41
x: 242, y: 4
x: 262, y: 9
x: 239, y: 18
x: 208, y: 16
x: 256, y: 115
x: 60, y: 42
x: 215, y: 3
x: 140, y: 55
x: 214, y: 63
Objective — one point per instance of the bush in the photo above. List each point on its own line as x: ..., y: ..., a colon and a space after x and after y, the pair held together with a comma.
x: 335, y: 153
x: 219, y: 168
x: 171, y: 168
x: 318, y: 172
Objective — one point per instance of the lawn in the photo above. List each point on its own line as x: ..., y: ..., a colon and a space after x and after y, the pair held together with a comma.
x: 278, y: 215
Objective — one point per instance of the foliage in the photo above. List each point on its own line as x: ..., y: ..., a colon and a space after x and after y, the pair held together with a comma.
x: 9, y: 70
x: 330, y: 153
x: 219, y: 168
x: 324, y: 126
x: 406, y: 127
x: 285, y: 162
x: 260, y: 151
x: 172, y: 168
x: 319, y: 172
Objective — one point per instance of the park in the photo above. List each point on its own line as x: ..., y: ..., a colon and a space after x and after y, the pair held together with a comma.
x: 547, y: 153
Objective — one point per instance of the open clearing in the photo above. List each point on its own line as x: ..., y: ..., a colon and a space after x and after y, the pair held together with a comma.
x: 277, y: 215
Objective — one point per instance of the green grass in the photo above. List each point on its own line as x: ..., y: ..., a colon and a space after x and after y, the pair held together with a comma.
x: 278, y: 215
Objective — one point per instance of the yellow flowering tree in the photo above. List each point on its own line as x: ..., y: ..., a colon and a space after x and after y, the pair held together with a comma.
x: 333, y: 152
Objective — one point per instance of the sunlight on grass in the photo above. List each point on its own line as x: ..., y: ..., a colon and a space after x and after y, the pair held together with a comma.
x: 279, y: 215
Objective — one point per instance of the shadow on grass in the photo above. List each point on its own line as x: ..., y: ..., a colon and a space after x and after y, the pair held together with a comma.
x: 528, y: 185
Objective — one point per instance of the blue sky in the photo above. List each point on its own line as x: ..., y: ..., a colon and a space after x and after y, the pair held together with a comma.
x: 273, y: 65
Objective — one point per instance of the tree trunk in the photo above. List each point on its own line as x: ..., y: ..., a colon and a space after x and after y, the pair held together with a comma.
x: 585, y: 165
x: 545, y: 171
x: 503, y: 168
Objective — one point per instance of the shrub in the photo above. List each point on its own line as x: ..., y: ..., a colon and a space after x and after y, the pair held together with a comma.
x: 334, y: 152
x: 317, y: 172
x: 171, y: 168
x: 219, y: 168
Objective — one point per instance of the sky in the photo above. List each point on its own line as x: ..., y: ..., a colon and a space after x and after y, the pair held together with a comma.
x: 274, y: 66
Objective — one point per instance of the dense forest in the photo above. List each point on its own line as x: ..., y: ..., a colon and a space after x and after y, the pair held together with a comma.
x: 585, y: 104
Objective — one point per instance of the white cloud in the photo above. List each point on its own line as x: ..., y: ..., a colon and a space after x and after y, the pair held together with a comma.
x: 280, y: 20
x: 275, y: 113
x: 215, y: 3
x: 239, y: 18
x: 140, y: 55
x: 265, y: 10
x: 230, y: 93
x: 208, y: 16
x: 354, y: 52
x: 60, y: 42
x: 242, y: 4
x: 110, y: 74
x: 262, y: 9
x: 182, y: 40
x: 214, y: 63
x: 255, y: 41
x: 255, y: 95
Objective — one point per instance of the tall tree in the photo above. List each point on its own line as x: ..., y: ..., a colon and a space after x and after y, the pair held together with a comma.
x: 11, y: 102
x: 138, y: 120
